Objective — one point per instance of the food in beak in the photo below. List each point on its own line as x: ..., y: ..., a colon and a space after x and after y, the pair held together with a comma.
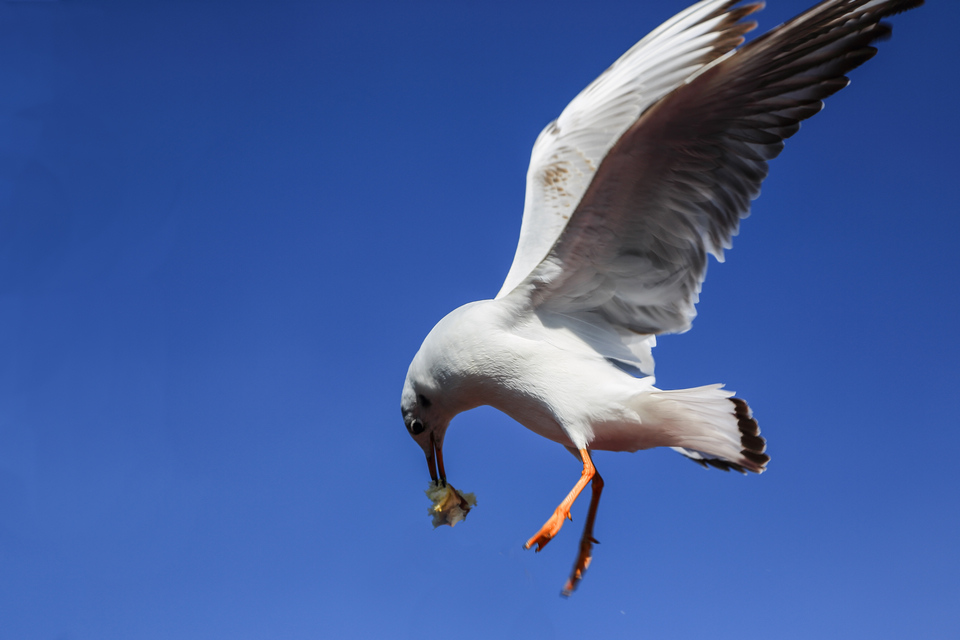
x: 450, y: 505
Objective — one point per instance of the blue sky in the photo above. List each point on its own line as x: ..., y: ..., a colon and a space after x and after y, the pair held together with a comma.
x: 225, y: 227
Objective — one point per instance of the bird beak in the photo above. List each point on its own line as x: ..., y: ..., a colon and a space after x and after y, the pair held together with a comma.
x: 435, y: 461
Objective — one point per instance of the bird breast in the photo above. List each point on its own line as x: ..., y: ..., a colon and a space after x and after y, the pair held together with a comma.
x: 544, y: 377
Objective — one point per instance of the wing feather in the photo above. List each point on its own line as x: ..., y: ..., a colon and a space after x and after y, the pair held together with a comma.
x: 677, y: 182
x: 569, y: 150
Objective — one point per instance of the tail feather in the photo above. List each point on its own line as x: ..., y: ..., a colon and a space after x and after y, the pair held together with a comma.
x: 751, y: 441
x: 711, y: 427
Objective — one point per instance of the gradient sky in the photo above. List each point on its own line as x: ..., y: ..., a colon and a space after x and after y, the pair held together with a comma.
x: 225, y: 227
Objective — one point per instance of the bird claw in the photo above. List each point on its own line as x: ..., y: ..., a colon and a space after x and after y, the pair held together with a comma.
x: 550, y: 528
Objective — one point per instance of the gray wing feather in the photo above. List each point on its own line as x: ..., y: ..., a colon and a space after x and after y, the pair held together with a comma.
x: 676, y: 184
x: 568, y: 151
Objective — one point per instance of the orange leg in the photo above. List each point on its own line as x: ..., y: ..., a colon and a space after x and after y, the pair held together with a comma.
x: 553, y: 524
x: 586, y: 540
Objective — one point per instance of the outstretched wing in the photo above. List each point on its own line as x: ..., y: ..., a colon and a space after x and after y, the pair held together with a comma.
x: 568, y: 151
x: 676, y: 184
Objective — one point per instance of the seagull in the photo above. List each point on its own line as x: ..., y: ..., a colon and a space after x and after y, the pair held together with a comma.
x: 646, y: 172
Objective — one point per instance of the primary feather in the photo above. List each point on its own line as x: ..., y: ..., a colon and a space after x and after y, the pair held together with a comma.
x: 673, y: 186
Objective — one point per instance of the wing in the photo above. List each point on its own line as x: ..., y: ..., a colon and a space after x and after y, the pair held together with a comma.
x: 676, y: 184
x: 568, y: 151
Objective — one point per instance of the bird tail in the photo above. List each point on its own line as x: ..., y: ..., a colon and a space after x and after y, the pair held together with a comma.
x: 709, y: 426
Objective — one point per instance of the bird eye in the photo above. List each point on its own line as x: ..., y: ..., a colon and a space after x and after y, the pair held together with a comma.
x: 416, y: 427
x: 424, y: 401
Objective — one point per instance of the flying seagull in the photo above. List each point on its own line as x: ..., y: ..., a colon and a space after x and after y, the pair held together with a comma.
x: 648, y: 170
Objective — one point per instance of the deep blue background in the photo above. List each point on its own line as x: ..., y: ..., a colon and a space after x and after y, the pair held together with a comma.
x: 225, y: 227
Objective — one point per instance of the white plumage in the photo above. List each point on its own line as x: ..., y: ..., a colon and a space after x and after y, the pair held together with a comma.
x: 645, y: 173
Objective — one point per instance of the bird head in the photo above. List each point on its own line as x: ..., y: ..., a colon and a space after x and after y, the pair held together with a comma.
x: 437, y: 386
x: 426, y: 422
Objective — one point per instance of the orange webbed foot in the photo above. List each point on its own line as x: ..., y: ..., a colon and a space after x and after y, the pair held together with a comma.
x: 550, y: 528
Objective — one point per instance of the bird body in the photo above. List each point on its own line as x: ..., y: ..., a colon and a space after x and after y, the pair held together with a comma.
x: 540, y: 370
x: 531, y: 366
x: 646, y: 173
